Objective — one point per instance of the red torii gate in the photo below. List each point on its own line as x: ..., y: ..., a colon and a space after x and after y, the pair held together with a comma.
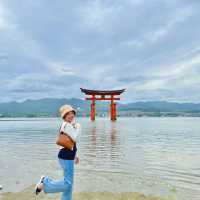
x: 102, y: 95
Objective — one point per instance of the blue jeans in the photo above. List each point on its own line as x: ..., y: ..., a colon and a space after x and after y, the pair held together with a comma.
x: 65, y: 185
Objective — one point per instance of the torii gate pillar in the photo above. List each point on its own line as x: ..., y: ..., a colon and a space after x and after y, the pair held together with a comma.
x: 113, y: 111
x: 93, y: 109
x: 101, y: 95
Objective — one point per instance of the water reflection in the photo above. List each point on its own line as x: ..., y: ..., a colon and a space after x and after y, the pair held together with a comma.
x: 113, y: 134
x: 93, y: 134
x: 104, y: 140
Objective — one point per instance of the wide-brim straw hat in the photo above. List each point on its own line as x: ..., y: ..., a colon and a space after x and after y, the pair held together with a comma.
x: 66, y: 109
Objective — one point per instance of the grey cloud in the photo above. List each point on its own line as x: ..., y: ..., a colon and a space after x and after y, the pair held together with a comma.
x: 101, y: 44
x: 137, y: 79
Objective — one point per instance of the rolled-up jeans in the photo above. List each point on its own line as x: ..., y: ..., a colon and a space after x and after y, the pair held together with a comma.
x: 65, y: 185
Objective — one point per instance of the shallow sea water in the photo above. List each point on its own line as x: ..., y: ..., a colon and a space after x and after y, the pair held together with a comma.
x: 158, y: 156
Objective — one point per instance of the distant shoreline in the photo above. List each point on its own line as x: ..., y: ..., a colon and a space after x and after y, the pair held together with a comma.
x: 141, y: 115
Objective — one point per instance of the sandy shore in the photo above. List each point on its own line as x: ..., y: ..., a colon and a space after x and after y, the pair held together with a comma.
x: 28, y: 194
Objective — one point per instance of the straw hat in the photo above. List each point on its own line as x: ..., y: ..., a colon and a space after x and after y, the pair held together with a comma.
x: 65, y: 109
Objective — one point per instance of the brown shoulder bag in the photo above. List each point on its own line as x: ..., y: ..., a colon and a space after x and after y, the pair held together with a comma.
x: 65, y: 141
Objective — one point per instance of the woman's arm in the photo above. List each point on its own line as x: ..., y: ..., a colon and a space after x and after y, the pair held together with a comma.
x: 77, y: 160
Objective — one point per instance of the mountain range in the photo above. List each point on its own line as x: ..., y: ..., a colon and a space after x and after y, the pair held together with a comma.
x: 50, y: 106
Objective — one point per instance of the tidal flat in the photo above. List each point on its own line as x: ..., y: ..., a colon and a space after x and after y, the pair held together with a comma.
x: 29, y: 194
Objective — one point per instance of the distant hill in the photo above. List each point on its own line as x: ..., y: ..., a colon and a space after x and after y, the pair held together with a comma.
x: 50, y: 106
x: 40, y: 107
x: 162, y: 106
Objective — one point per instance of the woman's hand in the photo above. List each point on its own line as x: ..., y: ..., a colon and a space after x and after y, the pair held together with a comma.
x: 77, y: 160
x: 76, y: 125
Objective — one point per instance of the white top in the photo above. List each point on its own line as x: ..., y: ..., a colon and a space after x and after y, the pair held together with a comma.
x: 73, y: 130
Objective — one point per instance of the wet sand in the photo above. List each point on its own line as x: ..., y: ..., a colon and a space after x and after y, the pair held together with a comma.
x: 28, y: 194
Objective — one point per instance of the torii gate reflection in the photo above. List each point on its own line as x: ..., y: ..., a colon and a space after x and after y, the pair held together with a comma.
x: 103, y: 95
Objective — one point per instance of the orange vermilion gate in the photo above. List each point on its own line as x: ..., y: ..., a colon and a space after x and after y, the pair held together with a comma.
x: 99, y: 95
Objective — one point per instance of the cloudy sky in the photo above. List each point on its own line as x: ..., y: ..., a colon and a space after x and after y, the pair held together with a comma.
x: 52, y: 48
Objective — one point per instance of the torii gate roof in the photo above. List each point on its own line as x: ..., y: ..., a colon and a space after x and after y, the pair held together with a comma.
x: 102, y: 92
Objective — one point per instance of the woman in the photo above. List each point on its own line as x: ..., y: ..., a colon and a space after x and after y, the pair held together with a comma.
x: 66, y: 157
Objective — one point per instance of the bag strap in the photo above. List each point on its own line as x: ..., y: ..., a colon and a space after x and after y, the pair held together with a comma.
x: 61, y: 127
